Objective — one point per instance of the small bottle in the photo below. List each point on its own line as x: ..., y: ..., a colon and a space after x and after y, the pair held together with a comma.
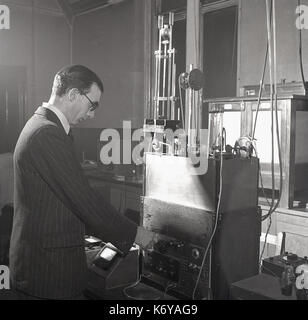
x: 287, y: 280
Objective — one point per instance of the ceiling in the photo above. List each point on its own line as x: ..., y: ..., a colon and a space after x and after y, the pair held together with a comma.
x: 78, y: 7
x: 70, y: 8
x: 74, y: 8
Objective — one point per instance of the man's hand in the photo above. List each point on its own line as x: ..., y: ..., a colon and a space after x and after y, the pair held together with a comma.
x: 145, y: 238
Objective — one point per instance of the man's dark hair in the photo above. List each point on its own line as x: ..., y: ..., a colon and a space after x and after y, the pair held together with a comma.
x: 75, y: 76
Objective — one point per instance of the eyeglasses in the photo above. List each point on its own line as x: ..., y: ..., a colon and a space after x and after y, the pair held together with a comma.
x: 94, y: 105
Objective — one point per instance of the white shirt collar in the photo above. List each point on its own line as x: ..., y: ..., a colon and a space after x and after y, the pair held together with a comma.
x: 60, y: 115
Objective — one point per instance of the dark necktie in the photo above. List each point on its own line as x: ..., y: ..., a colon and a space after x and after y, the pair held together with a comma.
x: 70, y: 134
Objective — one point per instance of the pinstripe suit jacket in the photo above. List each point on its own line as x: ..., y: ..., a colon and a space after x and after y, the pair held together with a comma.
x: 52, y: 204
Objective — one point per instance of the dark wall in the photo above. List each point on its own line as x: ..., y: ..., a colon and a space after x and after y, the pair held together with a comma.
x: 38, y: 41
x: 87, y: 142
x: 220, y: 53
x: 253, y: 37
x: 173, y: 5
x: 110, y: 41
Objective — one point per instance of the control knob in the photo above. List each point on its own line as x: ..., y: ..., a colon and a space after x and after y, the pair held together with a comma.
x: 195, y: 253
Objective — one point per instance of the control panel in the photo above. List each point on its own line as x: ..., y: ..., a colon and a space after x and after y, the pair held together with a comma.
x: 276, y: 265
x: 176, y: 264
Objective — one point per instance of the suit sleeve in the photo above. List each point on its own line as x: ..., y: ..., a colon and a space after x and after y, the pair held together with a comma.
x: 53, y: 157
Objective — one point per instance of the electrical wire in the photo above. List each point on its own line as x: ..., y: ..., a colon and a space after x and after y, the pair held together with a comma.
x: 265, y: 240
x: 270, y: 271
x: 216, y: 222
x: 170, y: 286
x: 261, y: 83
x: 259, y: 169
x: 181, y: 103
x: 276, y: 109
x: 134, y: 285
x: 269, y: 40
x: 279, y: 159
x: 274, y: 206
x: 300, y: 53
x: 272, y: 88
x: 253, y: 140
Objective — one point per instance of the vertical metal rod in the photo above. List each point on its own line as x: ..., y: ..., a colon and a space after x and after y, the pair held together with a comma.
x: 155, y: 87
x: 192, y: 111
x: 160, y: 22
x: 196, y: 108
x: 169, y: 81
x: 173, y: 90
x: 158, y: 73
x: 199, y: 111
x: 200, y: 114
x: 193, y: 115
x: 164, y: 77
x: 170, y: 73
x: 189, y: 119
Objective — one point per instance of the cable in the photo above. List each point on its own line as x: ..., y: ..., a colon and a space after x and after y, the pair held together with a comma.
x: 181, y: 103
x: 168, y: 287
x: 272, y: 123
x: 216, y: 221
x: 267, y: 56
x: 265, y: 240
x: 135, y: 285
x: 270, y: 271
x: 273, y: 206
x: 253, y: 142
x: 269, y: 40
x: 301, y: 54
x: 261, y: 84
x: 268, y: 48
x: 272, y: 209
x: 276, y: 109
x: 258, y: 109
x: 280, y: 161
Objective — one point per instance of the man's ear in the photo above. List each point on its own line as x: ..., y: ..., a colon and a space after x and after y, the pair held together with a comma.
x: 73, y: 94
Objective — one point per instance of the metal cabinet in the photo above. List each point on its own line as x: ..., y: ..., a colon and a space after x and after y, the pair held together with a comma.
x: 237, y: 116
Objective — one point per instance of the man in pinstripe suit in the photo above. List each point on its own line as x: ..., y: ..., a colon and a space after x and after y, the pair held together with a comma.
x: 53, y: 201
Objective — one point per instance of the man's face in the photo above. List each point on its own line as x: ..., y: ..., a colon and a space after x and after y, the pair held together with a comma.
x: 83, y: 108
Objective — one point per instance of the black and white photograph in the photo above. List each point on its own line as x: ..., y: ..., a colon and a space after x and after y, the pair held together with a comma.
x: 153, y: 154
